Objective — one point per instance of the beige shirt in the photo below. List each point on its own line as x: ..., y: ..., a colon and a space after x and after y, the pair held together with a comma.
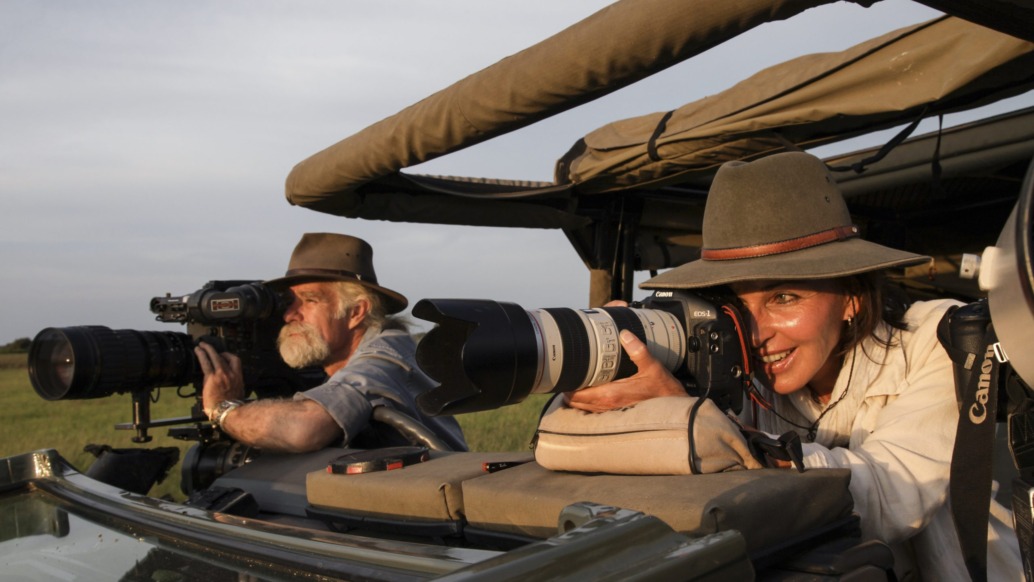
x: 895, y: 430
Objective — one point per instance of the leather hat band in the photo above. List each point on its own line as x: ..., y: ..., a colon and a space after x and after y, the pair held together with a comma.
x: 785, y: 246
x: 329, y: 272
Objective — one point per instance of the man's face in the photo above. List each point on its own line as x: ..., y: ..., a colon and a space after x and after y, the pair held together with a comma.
x: 313, y: 334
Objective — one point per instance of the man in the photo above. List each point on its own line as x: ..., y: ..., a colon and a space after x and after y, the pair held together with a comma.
x: 338, y: 319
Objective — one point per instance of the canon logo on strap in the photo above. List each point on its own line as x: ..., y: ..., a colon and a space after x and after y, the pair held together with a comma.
x: 978, y: 411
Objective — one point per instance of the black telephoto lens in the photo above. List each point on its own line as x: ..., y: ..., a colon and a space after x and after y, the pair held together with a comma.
x: 477, y: 343
x: 82, y: 362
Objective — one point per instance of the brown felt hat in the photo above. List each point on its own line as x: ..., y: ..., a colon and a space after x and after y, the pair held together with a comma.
x: 322, y: 256
x: 780, y: 217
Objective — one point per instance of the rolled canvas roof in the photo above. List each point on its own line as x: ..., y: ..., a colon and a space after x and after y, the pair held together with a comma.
x: 615, y: 47
x: 937, y: 67
x: 941, y: 66
x: 631, y: 193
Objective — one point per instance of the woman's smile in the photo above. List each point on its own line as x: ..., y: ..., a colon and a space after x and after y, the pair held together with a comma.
x: 777, y: 364
x: 771, y: 358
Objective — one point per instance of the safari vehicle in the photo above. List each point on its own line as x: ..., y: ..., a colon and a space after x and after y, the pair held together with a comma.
x: 629, y: 197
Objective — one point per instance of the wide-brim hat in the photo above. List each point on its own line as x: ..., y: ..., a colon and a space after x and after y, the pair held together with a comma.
x: 779, y: 217
x: 322, y: 256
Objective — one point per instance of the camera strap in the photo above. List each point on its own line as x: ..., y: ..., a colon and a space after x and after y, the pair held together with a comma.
x: 787, y: 447
x: 970, y: 486
x: 972, y: 344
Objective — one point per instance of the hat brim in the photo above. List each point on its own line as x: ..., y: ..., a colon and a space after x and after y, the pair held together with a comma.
x: 828, y: 261
x: 393, y: 302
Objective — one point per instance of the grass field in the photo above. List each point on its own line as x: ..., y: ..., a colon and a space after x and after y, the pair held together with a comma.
x: 29, y: 423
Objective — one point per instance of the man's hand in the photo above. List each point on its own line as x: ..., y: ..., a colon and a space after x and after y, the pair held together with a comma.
x: 651, y: 381
x: 224, y: 378
x: 271, y: 424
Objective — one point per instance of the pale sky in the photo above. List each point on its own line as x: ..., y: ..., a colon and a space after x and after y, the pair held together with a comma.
x: 144, y: 145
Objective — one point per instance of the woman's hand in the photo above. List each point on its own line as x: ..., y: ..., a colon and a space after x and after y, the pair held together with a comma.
x: 651, y: 381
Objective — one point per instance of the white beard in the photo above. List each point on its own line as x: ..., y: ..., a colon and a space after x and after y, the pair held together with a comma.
x: 299, y: 351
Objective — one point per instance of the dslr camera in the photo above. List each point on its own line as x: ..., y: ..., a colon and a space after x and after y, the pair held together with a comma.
x: 486, y: 354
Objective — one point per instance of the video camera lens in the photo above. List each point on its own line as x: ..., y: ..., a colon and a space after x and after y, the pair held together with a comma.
x: 83, y: 362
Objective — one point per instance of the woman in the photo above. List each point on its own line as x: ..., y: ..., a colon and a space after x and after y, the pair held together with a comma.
x: 843, y: 361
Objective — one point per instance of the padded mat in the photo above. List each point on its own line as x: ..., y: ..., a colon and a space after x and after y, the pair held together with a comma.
x: 428, y: 490
x: 768, y: 506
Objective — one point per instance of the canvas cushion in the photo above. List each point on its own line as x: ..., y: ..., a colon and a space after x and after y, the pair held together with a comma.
x: 428, y: 490
x: 652, y: 437
x: 766, y: 505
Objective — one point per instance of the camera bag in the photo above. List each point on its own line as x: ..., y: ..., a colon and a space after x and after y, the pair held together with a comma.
x: 660, y: 436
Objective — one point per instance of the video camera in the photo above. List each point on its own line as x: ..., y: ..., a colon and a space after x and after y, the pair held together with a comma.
x: 241, y: 317
x: 486, y: 354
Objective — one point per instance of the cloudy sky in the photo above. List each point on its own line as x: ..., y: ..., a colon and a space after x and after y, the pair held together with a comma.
x: 144, y: 145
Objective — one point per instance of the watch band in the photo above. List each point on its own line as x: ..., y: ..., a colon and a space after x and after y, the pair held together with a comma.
x: 222, y: 409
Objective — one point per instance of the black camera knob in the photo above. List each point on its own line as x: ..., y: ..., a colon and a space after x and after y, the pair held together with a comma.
x: 693, y: 345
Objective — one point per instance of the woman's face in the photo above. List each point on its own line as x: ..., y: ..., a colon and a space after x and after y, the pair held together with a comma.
x: 795, y: 330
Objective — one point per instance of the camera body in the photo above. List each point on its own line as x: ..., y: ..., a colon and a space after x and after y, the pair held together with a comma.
x: 243, y: 318
x: 235, y: 316
x: 717, y: 362
x: 487, y: 354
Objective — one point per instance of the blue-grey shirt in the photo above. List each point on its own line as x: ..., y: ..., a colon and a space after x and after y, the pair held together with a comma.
x: 381, y: 372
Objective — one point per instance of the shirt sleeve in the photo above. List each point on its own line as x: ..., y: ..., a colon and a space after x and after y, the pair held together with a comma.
x: 350, y: 395
x: 900, y: 464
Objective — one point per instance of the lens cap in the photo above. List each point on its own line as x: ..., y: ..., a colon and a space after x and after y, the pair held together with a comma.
x: 387, y: 459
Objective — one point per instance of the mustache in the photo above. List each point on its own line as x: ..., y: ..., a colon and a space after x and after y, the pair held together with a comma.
x: 296, y: 327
